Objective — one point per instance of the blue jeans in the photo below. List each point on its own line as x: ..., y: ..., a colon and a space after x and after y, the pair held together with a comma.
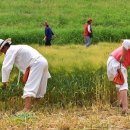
x: 87, y: 41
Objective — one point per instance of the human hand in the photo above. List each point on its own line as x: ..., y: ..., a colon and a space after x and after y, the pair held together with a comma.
x: 44, y: 38
x: 9, y: 40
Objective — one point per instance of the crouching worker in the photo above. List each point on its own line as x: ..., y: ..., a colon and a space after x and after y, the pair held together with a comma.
x: 119, y: 59
x: 25, y: 57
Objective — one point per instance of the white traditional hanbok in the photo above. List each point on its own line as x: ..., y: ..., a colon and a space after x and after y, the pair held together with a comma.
x: 24, y: 56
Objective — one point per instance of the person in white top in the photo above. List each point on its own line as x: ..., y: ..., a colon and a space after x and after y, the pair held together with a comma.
x: 24, y: 56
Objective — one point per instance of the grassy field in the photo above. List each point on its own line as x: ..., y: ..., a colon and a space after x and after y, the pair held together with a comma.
x: 78, y: 76
x: 79, y: 95
x: 22, y: 19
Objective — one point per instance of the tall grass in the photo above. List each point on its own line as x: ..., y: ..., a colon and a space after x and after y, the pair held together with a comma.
x: 22, y: 19
x: 78, y: 77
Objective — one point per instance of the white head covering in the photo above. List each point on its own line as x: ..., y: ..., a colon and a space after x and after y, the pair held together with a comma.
x: 3, y: 42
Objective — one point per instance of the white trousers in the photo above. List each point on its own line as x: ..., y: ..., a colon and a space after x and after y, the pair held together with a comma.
x: 36, y: 84
x: 112, y: 66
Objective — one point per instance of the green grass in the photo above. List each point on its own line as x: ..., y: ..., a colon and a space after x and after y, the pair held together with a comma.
x: 22, y: 19
x: 77, y: 55
x: 78, y: 76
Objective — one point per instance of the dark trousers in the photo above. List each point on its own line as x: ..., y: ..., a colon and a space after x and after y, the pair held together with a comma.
x: 48, y: 42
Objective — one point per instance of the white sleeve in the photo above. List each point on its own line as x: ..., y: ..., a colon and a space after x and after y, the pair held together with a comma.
x: 7, y: 66
x: 89, y: 30
x: 126, y: 44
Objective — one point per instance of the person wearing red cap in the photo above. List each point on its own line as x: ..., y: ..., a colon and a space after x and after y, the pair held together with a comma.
x: 88, y: 32
x: 48, y: 34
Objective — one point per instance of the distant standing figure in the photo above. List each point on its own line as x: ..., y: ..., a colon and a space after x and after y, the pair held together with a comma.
x: 88, y: 32
x: 48, y: 34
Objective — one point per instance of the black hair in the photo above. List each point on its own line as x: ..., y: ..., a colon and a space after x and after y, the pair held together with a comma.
x: 88, y: 22
x: 7, y: 44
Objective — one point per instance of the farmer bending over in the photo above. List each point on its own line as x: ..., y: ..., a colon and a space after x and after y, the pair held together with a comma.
x: 120, y: 59
x: 25, y: 57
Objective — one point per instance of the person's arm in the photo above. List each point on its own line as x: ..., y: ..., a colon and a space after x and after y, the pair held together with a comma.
x: 52, y: 32
x: 47, y: 32
x: 7, y: 67
x: 122, y: 58
x: 125, y: 47
x: 45, y: 37
x: 89, y: 29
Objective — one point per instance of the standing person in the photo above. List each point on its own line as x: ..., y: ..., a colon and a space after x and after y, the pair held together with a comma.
x: 120, y: 59
x: 25, y: 57
x: 88, y: 32
x: 48, y: 34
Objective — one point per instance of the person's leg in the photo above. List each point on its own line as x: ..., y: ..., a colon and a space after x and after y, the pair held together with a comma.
x: 124, y: 101
x: 119, y: 98
x: 88, y: 41
x: 85, y: 41
x: 33, y: 83
x: 48, y: 42
x: 43, y: 84
x: 28, y: 104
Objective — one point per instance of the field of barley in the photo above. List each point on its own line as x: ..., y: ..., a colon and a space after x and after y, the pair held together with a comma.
x: 78, y: 75
x: 79, y: 95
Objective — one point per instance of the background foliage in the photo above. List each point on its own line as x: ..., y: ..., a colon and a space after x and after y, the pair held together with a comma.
x: 23, y: 20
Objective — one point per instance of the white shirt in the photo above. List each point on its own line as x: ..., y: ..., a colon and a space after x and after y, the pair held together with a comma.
x: 89, y: 28
x: 21, y: 55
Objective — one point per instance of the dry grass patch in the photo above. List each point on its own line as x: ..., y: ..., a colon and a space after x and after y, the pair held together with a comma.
x: 93, y: 118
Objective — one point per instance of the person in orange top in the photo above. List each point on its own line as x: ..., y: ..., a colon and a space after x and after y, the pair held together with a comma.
x: 88, y: 32
x: 120, y: 59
